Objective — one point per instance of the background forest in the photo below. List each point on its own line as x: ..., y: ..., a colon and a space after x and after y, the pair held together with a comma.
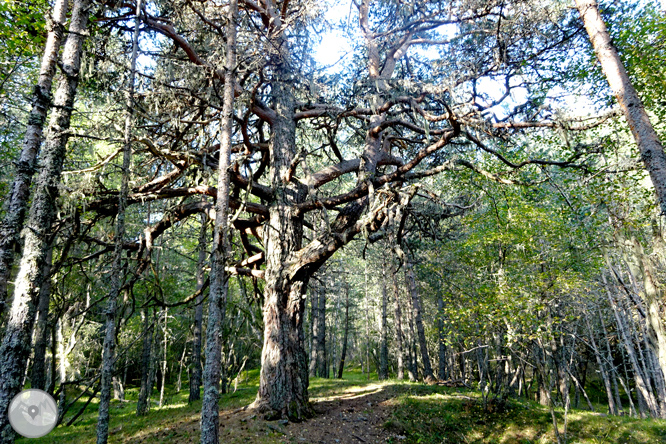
x: 213, y: 204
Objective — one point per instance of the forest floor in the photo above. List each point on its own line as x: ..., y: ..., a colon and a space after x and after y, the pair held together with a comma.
x: 356, y: 410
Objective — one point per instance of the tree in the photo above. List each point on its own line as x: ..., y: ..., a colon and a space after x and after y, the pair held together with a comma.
x: 17, y: 198
x: 649, y: 145
x: 15, y: 347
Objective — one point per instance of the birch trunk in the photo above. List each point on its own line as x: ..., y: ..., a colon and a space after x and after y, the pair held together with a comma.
x: 651, y: 149
x: 15, y: 347
x: 219, y: 279
x: 195, y: 375
x: 19, y: 193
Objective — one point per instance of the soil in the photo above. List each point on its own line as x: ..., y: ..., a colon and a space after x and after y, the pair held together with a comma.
x: 356, y: 416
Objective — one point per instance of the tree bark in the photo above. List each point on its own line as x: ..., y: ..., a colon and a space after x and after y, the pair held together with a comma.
x: 15, y: 347
x: 164, y: 355
x: 195, y: 375
x: 283, y: 386
x: 318, y: 362
x: 38, y: 376
x: 642, y: 384
x: 143, y: 404
x: 416, y: 307
x: 602, y: 369
x: 19, y: 193
x: 117, y: 273
x: 343, y: 353
x: 442, y: 373
x: 219, y: 278
x: 383, y: 338
x: 399, y: 337
x: 649, y: 145
x: 653, y: 296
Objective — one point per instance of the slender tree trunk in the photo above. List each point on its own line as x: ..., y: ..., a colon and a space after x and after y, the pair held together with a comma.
x: 367, y: 320
x: 383, y: 340
x: 416, y: 307
x: 412, y: 362
x: 314, y: 330
x: 164, y: 356
x: 181, y: 362
x: 399, y: 337
x: 117, y: 273
x: 62, y: 368
x: 195, y: 375
x: 118, y: 389
x: 611, y: 369
x: 320, y: 330
x: 38, y: 376
x: 143, y: 404
x: 19, y: 193
x: 646, y: 138
x: 642, y: 384
x: 219, y: 279
x: 15, y: 347
x: 602, y: 369
x: 345, y: 336
x: 442, y: 373
x: 653, y: 296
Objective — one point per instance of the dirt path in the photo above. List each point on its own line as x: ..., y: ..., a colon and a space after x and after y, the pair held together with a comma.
x: 357, y: 416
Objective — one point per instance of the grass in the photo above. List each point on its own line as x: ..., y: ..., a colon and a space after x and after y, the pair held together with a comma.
x: 421, y: 414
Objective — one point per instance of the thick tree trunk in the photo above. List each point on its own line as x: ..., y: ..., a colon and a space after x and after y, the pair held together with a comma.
x: 117, y: 273
x: 651, y: 149
x: 345, y: 336
x: 382, y: 372
x: 15, y: 347
x: 399, y: 337
x: 19, y: 193
x: 416, y: 307
x: 143, y: 404
x: 38, y: 376
x: 219, y: 278
x: 195, y: 375
x: 283, y: 386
